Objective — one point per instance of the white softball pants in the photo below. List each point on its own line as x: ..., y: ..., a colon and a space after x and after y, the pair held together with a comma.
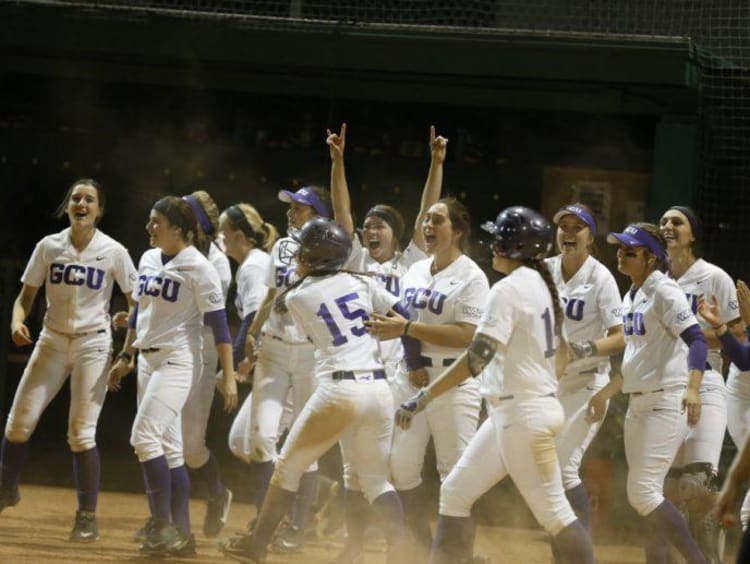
x: 655, y: 427
x: 517, y: 439
x: 450, y: 419
x: 86, y: 359
x: 165, y: 379
x: 359, y: 415
x: 197, y: 408
x: 738, y: 420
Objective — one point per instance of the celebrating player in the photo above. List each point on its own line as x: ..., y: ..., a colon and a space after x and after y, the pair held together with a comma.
x: 198, y: 458
x: 178, y: 291
x: 663, y: 378
x: 592, y: 309
x: 692, y: 482
x: 78, y: 267
x: 352, y: 403
x: 285, y: 359
x: 445, y: 295
x: 516, y: 340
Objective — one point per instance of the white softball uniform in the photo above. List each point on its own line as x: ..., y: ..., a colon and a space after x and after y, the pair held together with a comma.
x: 76, y: 336
x: 172, y: 299
x: 198, y: 405
x: 738, y: 420
x: 455, y: 294
x: 592, y: 306
x: 352, y: 403
x: 655, y: 374
x: 388, y: 274
x: 704, y: 441
x: 518, y: 437
x: 285, y: 365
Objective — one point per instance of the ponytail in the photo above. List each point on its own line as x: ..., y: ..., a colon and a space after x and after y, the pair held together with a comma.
x: 541, y: 267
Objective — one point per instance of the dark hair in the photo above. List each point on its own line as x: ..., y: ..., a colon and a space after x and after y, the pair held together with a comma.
x: 696, y: 226
x: 248, y: 220
x: 62, y: 209
x: 460, y: 220
x: 393, y: 218
x: 179, y: 214
x: 662, y: 264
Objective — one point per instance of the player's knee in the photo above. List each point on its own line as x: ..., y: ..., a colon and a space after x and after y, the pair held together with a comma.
x: 286, y: 476
x: 405, y: 474
x: 570, y: 477
x: 644, y: 497
x: 237, y: 448
x: 453, y: 501
x: 196, y: 457
x: 174, y: 459
x: 81, y: 435
x: 145, y: 442
x: 375, y: 486
x: 17, y: 433
x: 262, y: 449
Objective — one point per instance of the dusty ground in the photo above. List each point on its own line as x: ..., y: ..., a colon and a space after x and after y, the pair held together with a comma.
x: 36, y: 530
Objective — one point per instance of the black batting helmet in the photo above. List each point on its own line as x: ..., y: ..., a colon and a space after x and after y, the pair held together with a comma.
x: 324, y: 245
x: 521, y: 233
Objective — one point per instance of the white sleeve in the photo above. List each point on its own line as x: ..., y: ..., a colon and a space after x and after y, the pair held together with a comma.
x: 221, y: 264
x: 207, y: 288
x: 726, y: 296
x: 36, y: 269
x: 500, y: 315
x: 412, y: 254
x: 674, y: 308
x: 355, y: 260
x: 125, y: 273
x: 382, y: 300
x: 250, y: 287
x: 470, y: 304
x: 610, y: 302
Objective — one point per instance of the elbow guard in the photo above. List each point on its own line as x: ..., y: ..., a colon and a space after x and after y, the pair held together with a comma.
x: 480, y: 352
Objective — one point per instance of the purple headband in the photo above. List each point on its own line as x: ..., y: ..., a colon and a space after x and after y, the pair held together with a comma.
x: 634, y: 236
x: 306, y: 196
x: 200, y: 214
x: 580, y: 213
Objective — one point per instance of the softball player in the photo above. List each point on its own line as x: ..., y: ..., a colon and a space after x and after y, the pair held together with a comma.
x: 592, y: 310
x: 285, y: 361
x: 78, y: 267
x: 692, y: 482
x: 177, y: 292
x: 727, y: 500
x: 657, y: 318
x: 198, y: 458
x: 516, y: 341
x: 445, y: 296
x: 352, y: 403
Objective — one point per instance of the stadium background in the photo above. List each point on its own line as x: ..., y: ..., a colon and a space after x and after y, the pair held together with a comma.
x: 631, y: 106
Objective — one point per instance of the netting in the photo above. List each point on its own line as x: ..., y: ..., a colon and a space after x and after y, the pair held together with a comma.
x: 719, y: 30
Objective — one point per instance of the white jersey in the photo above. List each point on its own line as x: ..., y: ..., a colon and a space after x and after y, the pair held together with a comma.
x: 653, y: 319
x: 281, y: 274
x: 388, y: 274
x: 331, y: 310
x: 708, y: 280
x: 78, y: 285
x: 251, y: 277
x: 456, y: 294
x: 173, y: 297
x: 520, y: 315
x: 592, y: 305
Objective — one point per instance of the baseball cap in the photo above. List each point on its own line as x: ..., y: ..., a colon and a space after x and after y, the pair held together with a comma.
x: 579, y: 212
x: 634, y: 236
x: 307, y: 196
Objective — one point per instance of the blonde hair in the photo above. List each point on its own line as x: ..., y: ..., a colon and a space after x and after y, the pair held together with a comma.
x: 261, y: 233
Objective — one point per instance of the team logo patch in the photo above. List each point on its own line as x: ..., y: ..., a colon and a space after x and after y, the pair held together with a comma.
x: 684, y: 315
x: 215, y: 298
x: 471, y: 311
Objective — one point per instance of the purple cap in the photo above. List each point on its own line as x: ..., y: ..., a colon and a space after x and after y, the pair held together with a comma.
x: 580, y: 213
x: 306, y: 196
x: 634, y: 236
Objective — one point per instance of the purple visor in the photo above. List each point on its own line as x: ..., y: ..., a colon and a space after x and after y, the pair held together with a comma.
x: 634, y: 236
x: 306, y: 196
x: 580, y: 213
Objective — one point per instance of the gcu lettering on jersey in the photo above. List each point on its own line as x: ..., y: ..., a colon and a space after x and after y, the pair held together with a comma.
x: 633, y: 324
x: 693, y: 301
x: 573, y: 308
x: 156, y: 286
x: 390, y: 282
x: 424, y: 298
x: 285, y: 276
x: 76, y: 275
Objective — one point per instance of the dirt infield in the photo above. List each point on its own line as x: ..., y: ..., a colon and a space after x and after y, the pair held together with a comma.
x: 36, y: 530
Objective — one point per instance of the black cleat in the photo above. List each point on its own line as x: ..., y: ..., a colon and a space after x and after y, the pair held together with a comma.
x: 85, y: 528
x: 217, y: 511
x: 291, y: 540
x: 141, y: 534
x: 163, y: 541
x: 242, y: 548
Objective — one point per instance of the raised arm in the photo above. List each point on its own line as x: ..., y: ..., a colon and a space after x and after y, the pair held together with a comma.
x: 342, y: 206
x: 21, y: 309
x: 434, y: 183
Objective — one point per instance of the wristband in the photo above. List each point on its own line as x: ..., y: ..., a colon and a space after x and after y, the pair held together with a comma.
x: 406, y: 329
x: 126, y: 355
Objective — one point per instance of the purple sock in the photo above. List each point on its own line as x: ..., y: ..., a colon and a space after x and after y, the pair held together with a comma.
x: 261, y: 473
x: 388, y: 505
x: 414, y: 502
x: 304, y: 499
x: 579, y: 501
x: 181, y: 498
x: 574, y: 544
x: 667, y: 519
x: 12, y: 458
x: 87, y: 475
x: 209, y: 473
x: 158, y: 488
x: 454, y: 540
